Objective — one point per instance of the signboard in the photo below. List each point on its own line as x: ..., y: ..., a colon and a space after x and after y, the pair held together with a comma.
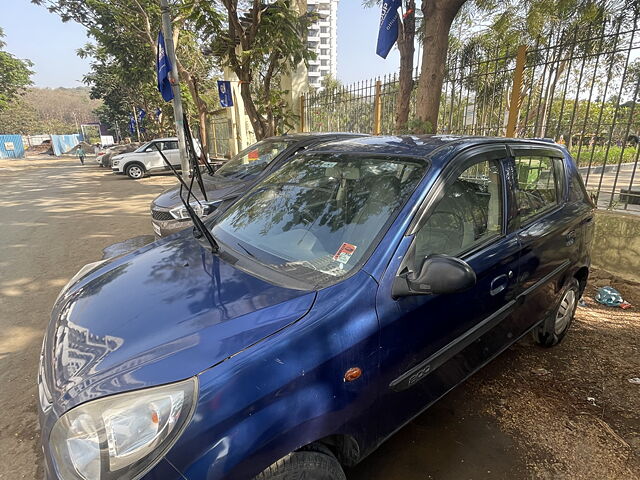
x: 9, y: 146
x: 225, y: 92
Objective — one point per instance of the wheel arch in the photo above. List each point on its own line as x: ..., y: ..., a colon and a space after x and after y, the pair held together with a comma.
x: 135, y: 162
x: 582, y: 275
x: 345, y: 447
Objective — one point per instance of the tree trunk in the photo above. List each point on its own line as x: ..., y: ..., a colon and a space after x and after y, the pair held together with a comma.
x: 260, y: 128
x: 406, y: 46
x: 438, y: 16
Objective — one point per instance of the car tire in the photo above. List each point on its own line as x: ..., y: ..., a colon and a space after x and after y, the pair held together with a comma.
x: 555, y: 326
x: 135, y: 171
x: 312, y: 463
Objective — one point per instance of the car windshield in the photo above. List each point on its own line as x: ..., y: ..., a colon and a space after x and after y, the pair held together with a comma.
x: 253, y: 160
x: 316, y: 217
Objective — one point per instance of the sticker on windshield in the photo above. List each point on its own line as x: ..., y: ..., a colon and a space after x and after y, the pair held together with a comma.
x: 344, y: 253
x: 328, y: 164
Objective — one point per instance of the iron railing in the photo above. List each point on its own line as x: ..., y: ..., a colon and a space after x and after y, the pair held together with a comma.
x: 579, y: 88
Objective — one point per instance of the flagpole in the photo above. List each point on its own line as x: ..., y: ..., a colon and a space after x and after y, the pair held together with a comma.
x: 135, y: 119
x: 177, y: 99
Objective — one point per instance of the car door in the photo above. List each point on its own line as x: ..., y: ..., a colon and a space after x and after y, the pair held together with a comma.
x: 152, y: 158
x: 547, y: 226
x: 170, y: 149
x: 429, y: 343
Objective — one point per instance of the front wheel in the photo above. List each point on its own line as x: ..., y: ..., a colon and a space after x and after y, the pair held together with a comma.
x: 305, y: 465
x: 555, y: 327
x: 135, y: 171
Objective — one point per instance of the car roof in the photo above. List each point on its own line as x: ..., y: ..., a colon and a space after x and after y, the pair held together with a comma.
x: 317, y: 136
x: 166, y: 139
x: 420, y: 146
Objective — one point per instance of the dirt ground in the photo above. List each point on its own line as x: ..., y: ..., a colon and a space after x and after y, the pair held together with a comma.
x: 568, y: 412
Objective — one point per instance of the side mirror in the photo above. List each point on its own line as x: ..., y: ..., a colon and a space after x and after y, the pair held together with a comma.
x: 439, y: 274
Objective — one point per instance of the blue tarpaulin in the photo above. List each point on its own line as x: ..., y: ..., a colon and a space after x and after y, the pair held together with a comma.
x: 11, y: 146
x: 63, y: 143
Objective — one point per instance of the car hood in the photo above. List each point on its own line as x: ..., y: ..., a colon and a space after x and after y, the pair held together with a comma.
x: 217, y: 189
x: 160, y: 314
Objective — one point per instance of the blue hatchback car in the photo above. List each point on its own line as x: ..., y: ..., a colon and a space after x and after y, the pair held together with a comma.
x: 351, y: 289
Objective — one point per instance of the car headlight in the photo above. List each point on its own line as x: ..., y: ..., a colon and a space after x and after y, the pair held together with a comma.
x: 115, y: 163
x: 121, y: 436
x: 202, y: 209
x: 88, y: 268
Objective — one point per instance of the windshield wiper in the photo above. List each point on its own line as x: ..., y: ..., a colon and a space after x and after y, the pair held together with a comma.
x: 246, y: 251
x: 197, y: 221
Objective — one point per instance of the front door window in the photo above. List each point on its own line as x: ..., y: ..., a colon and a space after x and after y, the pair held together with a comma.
x: 468, y: 215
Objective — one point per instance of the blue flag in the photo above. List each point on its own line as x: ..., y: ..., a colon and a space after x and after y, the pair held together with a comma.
x: 224, y: 90
x: 388, y: 33
x: 141, y: 116
x: 163, y: 66
x: 132, y: 124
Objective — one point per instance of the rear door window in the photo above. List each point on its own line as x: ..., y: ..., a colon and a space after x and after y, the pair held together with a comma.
x: 538, y: 185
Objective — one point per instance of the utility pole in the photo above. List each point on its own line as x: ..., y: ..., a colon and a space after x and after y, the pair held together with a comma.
x: 178, y: 113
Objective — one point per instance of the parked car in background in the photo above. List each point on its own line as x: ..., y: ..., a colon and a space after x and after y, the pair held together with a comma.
x: 168, y: 215
x: 146, y: 159
x: 347, y: 291
x: 106, y: 154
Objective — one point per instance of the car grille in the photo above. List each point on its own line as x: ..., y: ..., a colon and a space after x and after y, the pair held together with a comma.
x: 161, y: 215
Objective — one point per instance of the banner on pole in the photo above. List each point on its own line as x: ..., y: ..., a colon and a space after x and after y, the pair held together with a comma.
x: 225, y: 92
x: 163, y: 66
x: 389, y: 24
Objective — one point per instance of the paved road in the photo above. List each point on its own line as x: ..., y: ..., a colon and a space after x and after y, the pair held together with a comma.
x: 612, y: 180
x: 55, y: 216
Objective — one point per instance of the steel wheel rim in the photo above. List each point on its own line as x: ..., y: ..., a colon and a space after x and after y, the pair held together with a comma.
x: 135, y: 172
x: 565, y: 311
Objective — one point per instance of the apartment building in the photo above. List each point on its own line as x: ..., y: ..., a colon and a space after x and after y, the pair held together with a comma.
x: 323, y: 39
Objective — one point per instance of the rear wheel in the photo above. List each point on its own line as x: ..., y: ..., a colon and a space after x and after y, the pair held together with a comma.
x: 309, y: 464
x: 555, y: 327
x: 135, y: 171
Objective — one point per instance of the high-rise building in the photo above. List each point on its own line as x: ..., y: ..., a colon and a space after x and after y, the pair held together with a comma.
x: 323, y: 40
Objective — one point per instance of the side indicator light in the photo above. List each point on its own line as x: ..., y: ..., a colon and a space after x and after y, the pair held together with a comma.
x: 352, y: 374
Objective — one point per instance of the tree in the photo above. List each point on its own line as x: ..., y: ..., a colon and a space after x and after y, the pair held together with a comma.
x: 406, y: 47
x: 438, y: 17
x: 125, y: 33
x: 49, y: 110
x: 585, y: 29
x: 259, y: 44
x: 14, y: 76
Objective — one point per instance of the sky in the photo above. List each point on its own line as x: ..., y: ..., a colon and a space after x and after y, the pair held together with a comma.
x: 51, y: 45
x: 34, y: 33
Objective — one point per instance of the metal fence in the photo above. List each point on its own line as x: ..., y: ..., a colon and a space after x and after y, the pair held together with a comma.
x: 579, y: 88
x: 219, y: 135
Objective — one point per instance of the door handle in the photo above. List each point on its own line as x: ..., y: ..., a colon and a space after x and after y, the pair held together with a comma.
x: 499, y: 283
x: 570, y: 238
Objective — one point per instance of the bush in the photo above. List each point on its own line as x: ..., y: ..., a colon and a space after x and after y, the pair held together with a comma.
x: 596, y: 155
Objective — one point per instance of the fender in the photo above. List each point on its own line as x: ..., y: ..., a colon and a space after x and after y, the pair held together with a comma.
x: 289, y: 390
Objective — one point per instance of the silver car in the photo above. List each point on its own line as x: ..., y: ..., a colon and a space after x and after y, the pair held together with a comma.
x: 146, y: 159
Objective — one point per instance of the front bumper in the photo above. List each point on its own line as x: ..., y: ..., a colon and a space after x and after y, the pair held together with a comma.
x: 116, y: 170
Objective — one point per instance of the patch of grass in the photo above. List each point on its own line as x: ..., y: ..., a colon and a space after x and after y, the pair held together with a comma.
x: 596, y: 155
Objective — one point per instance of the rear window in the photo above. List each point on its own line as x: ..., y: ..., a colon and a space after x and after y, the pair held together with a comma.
x: 538, y: 185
